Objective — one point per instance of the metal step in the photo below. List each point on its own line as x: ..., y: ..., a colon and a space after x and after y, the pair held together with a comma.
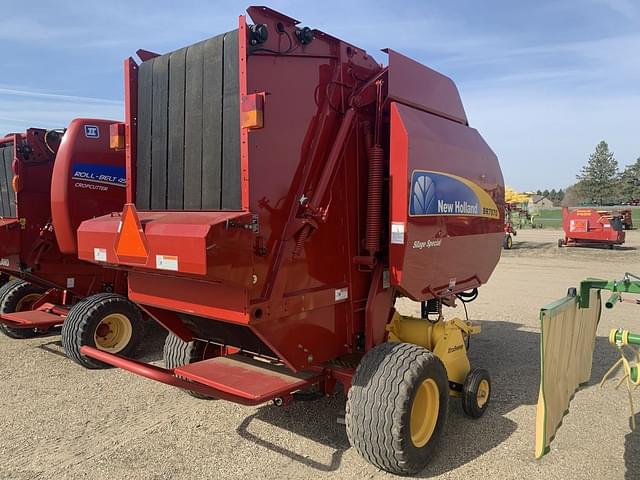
x: 245, y: 377
x: 31, y: 319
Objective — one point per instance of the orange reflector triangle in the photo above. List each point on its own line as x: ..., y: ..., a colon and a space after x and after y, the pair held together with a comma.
x: 131, y: 242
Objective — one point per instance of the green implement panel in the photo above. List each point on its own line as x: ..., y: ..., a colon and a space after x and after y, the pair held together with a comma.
x: 567, y: 340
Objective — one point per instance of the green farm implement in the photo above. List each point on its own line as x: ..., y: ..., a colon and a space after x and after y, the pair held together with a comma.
x: 567, y: 340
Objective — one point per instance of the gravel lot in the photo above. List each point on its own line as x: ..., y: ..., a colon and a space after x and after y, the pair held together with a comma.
x: 60, y: 421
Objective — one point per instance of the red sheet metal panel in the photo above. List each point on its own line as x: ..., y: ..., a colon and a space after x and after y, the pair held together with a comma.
x: 88, y: 179
x: 447, y: 205
x: 9, y: 237
x: 174, y: 242
x: 421, y: 87
x: 189, y: 295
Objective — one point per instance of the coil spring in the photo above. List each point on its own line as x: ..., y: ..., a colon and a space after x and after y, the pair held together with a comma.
x: 302, y: 237
x: 374, y: 206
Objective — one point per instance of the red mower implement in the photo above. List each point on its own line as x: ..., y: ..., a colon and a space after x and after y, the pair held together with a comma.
x: 50, y: 182
x: 589, y: 227
x: 283, y: 190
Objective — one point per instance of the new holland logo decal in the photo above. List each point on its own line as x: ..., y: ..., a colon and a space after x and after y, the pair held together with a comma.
x: 437, y: 193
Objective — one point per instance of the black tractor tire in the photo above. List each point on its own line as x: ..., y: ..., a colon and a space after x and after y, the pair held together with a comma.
x: 380, y: 404
x: 177, y: 352
x: 12, y: 299
x: 507, y: 243
x: 560, y: 242
x: 91, y: 314
x: 475, y: 399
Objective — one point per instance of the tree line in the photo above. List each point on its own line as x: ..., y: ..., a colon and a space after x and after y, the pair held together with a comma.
x: 600, y: 182
x: 556, y: 196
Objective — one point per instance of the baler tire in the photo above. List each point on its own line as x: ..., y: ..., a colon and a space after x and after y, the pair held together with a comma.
x: 560, y: 243
x: 507, y: 243
x: 12, y: 294
x: 475, y: 401
x: 177, y: 352
x: 381, y: 401
x: 82, y: 322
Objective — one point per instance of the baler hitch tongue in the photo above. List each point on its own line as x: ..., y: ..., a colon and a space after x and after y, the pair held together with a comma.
x: 567, y: 338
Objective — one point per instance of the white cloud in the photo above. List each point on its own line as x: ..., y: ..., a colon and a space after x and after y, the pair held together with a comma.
x: 21, y: 109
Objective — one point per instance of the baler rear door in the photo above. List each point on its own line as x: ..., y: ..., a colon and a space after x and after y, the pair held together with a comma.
x: 7, y: 194
x: 446, y: 185
x: 188, y: 140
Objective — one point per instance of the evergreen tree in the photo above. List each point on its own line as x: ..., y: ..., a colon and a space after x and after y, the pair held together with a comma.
x: 597, y: 179
x: 630, y: 182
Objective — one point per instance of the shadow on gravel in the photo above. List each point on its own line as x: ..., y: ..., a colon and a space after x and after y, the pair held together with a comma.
x: 54, y: 347
x: 632, y: 451
x: 518, y: 245
x: 552, y: 246
x: 315, y: 420
x: 511, y: 355
x: 616, y: 248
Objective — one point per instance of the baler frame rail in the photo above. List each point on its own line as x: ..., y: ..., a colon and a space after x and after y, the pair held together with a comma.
x: 170, y: 377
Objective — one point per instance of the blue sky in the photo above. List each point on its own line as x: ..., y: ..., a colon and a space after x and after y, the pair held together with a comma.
x: 543, y: 81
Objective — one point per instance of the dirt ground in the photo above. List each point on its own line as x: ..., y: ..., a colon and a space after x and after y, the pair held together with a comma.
x: 60, y: 421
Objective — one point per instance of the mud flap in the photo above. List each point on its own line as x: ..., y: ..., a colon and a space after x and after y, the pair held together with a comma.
x: 567, y: 341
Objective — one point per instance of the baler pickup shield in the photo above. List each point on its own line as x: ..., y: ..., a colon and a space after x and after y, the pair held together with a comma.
x: 567, y: 341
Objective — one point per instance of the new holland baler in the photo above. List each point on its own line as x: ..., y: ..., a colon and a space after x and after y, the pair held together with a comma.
x: 50, y: 181
x: 284, y: 189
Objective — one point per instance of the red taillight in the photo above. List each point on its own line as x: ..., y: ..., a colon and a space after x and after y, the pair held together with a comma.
x: 116, y: 136
x: 251, y: 111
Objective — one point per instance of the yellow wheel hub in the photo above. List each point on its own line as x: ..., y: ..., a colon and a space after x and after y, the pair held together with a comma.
x: 113, y: 333
x: 424, y: 412
x: 483, y: 393
x: 25, y: 302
